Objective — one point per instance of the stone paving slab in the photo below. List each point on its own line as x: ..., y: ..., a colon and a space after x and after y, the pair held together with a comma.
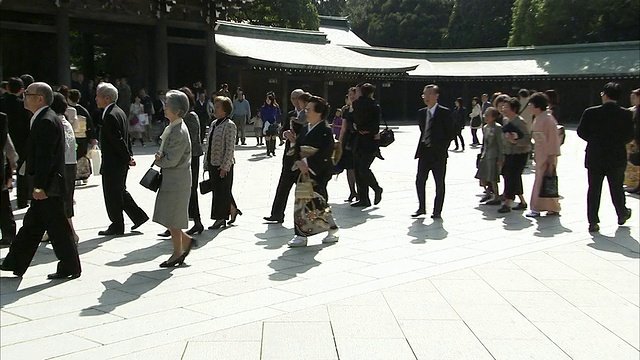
x: 478, y: 285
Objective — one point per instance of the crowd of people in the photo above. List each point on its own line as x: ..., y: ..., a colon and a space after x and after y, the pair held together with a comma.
x: 46, y: 134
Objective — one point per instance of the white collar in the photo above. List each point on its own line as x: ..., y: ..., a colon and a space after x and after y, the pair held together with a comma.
x: 35, y: 114
x: 433, y: 109
x: 309, y: 127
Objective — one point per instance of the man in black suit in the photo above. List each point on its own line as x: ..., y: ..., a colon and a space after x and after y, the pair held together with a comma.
x: 366, y: 119
x: 18, y: 117
x: 296, y: 122
x: 607, y: 129
x: 44, y: 168
x: 437, y: 129
x: 116, y: 159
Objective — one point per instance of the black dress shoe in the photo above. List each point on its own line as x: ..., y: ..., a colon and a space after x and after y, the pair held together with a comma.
x: 138, y: 224
x: 110, y: 232
x: 351, y: 198
x: 196, y: 229
x: 167, y: 233
x: 234, y: 216
x: 218, y: 224
x: 594, y: 227
x: 436, y: 216
x: 273, y: 219
x: 626, y: 217
x: 361, y: 204
x: 378, y: 197
x: 418, y: 213
x: 177, y: 262
x: 58, y: 276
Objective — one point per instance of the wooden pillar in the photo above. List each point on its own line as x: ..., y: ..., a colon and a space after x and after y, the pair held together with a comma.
x: 62, y: 42
x: 211, y: 61
x: 405, y: 105
x: 162, y: 55
x: 286, y: 103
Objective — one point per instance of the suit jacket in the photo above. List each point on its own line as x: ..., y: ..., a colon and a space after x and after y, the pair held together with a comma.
x: 321, y: 138
x: 298, y: 128
x: 18, y: 121
x: 45, y: 154
x: 442, y: 132
x: 114, y: 139
x: 221, y: 145
x: 607, y: 129
x: 192, y: 121
x: 176, y: 159
x: 4, y: 134
x: 367, y: 115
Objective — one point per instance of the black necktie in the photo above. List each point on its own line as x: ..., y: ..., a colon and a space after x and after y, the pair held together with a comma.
x: 427, y: 132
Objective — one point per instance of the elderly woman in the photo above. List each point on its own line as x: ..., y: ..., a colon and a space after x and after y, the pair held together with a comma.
x: 546, y: 151
x: 313, y: 148
x: 174, y: 158
x: 219, y: 161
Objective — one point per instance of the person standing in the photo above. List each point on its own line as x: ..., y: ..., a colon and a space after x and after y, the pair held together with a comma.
x: 437, y: 129
x: 44, y: 166
x: 607, y: 129
x: 459, y: 115
x: 632, y: 172
x: 193, y: 124
x: 84, y: 128
x: 116, y: 159
x: 18, y: 116
x: 476, y: 121
x: 346, y: 140
x: 297, y: 119
x: 366, y: 117
x: 270, y: 113
x: 201, y: 109
x: 241, y: 114
x: 546, y: 152
x: 124, y: 95
x: 174, y: 158
x: 485, y: 103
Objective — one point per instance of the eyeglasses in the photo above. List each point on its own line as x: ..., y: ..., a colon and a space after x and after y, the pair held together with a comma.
x: 30, y: 94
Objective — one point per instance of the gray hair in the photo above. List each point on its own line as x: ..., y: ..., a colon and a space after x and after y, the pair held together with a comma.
x: 296, y: 93
x: 177, y: 102
x: 107, y: 89
x: 42, y: 88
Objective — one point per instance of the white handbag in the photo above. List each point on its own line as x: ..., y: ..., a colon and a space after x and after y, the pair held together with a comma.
x: 96, y: 159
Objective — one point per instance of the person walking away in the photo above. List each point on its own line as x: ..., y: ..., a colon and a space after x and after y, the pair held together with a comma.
x: 459, y: 115
x: 241, y: 114
x: 491, y: 156
x: 270, y: 115
x: 476, y: 121
x: 257, y: 127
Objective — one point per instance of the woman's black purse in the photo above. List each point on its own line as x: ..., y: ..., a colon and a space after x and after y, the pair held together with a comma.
x: 386, y: 136
x: 152, y: 179
x: 549, y: 188
x: 206, y: 186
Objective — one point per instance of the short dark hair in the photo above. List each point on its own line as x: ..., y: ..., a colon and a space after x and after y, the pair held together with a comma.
x: 493, y: 112
x: 64, y: 90
x: 434, y: 87
x: 539, y: 100
x: 27, y: 80
x: 75, y: 95
x: 306, y: 97
x: 612, y: 90
x: 514, y: 104
x: 500, y: 99
x: 475, y: 98
x: 367, y: 89
x: 226, y: 103
x: 485, y: 95
x: 15, y: 85
x: 553, y: 97
x: 59, y: 104
x: 192, y: 99
x: 320, y: 106
x: 523, y: 93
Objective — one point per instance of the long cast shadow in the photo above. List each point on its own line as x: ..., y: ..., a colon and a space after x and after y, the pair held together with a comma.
x: 622, y: 242
x: 11, y: 294
x: 306, y: 255
x: 550, y: 226
x: 422, y: 232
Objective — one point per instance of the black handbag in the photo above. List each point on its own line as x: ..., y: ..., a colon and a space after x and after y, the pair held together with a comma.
x: 386, y: 136
x: 549, y: 188
x: 152, y: 179
x: 206, y: 186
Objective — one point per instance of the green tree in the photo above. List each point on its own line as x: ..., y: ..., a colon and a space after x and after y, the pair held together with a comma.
x: 297, y: 14
x: 331, y: 7
x: 476, y: 23
x: 523, y: 22
x: 401, y: 23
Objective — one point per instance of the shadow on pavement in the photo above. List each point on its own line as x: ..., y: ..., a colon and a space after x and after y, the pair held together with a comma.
x: 422, y: 232
x: 515, y: 221
x: 622, y: 242
x: 275, y: 237
x: 10, y: 293
x: 549, y: 226
x: 305, y: 255
x: 106, y: 303
x: 354, y: 216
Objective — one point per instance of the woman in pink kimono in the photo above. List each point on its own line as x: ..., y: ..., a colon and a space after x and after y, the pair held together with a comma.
x: 546, y: 150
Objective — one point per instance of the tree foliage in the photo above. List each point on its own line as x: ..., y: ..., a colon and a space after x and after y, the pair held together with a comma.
x: 298, y: 14
x: 401, y: 23
x: 331, y: 7
x: 552, y: 22
x: 476, y: 23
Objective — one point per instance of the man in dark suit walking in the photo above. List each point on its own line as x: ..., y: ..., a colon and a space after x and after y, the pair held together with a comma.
x: 607, y: 129
x: 437, y: 129
x: 296, y: 122
x: 116, y: 159
x: 44, y: 168
x: 18, y: 122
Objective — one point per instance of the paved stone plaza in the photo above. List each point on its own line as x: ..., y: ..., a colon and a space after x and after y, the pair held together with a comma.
x: 477, y: 285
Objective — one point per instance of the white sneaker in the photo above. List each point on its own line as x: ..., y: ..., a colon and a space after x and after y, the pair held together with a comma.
x: 332, y: 236
x: 298, y: 241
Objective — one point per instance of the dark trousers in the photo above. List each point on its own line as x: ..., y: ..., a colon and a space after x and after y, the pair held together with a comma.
x: 287, y: 179
x: 221, y: 204
x: 117, y: 199
x: 438, y: 166
x: 83, y: 147
x: 363, y: 157
x: 459, y: 136
x: 615, y: 178
x: 512, y: 169
x: 474, y: 135
x: 194, y: 208
x: 22, y: 188
x: 7, y: 222
x: 44, y: 215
